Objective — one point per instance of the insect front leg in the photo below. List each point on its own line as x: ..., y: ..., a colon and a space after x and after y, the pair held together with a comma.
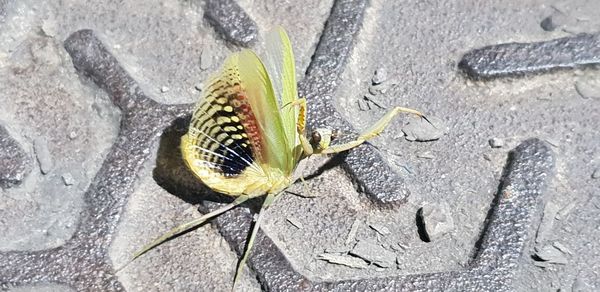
x: 371, y: 132
x: 301, y: 126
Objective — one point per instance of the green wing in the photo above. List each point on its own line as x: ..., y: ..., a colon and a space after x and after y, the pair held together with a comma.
x: 280, y: 65
x: 257, y: 90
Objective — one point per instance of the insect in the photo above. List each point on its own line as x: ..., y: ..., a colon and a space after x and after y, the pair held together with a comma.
x: 247, y: 135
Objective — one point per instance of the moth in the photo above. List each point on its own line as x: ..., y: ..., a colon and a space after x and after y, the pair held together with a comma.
x: 247, y: 134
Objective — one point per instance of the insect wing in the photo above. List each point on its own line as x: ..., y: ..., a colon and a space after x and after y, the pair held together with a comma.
x: 279, y: 62
x: 258, y: 87
x: 236, y: 131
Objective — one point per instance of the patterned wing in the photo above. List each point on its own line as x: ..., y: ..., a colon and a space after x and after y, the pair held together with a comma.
x: 280, y: 64
x: 235, y: 136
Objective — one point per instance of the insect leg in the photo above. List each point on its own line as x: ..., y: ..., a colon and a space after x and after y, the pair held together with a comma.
x: 305, y: 191
x: 268, y: 200
x: 373, y: 131
x: 305, y: 187
x: 301, y: 126
x: 185, y: 227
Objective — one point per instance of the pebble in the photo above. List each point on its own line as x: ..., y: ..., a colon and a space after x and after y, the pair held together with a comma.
x: 552, y: 141
x: 343, y: 260
x: 374, y: 253
x: 363, y: 104
x: 487, y: 157
x: 554, y: 21
x: 562, y: 247
x: 551, y: 255
x: 353, y: 230
x: 496, y: 142
x: 68, y: 179
x: 43, y: 155
x: 207, y: 59
x: 548, y: 24
x: 295, y: 222
x: 425, y: 155
x: 199, y: 86
x: 403, y: 246
x: 422, y: 130
x: 547, y: 222
x: 164, y: 89
x: 398, y: 247
x: 540, y: 264
x: 564, y: 212
x: 587, y: 89
x: 381, y: 229
x: 379, y: 76
x: 596, y: 173
x: 373, y: 99
x: 72, y: 135
x: 436, y: 220
x: 379, y: 89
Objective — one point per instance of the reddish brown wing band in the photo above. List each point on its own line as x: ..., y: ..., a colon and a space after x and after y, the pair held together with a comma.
x: 228, y: 135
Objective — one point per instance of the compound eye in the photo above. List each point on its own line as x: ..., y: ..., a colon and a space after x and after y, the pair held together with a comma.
x: 316, y: 137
